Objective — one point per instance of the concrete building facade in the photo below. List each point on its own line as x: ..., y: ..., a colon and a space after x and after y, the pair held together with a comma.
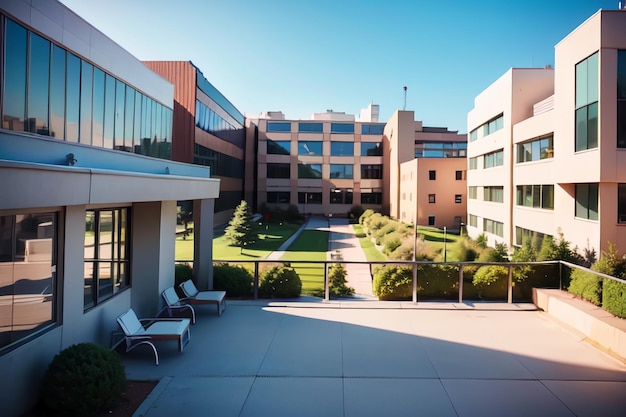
x: 88, y: 207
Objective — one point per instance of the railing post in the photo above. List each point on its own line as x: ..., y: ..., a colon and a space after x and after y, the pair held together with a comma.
x: 510, y: 286
x: 255, y: 281
x: 560, y: 276
x: 414, y: 281
x: 326, y: 283
x: 460, y: 283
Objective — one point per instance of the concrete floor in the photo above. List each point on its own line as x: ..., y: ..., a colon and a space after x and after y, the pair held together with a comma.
x: 370, y: 358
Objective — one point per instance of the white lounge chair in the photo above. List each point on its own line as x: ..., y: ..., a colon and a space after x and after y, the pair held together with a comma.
x: 174, y: 303
x: 137, y: 333
x: 193, y: 296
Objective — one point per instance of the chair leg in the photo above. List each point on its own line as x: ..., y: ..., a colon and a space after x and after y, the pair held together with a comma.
x: 156, y: 355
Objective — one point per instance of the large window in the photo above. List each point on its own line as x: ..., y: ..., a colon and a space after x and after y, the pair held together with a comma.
x: 621, y: 203
x: 341, y: 128
x: 372, y: 129
x: 472, y: 192
x: 226, y: 128
x: 309, y: 171
x: 494, y: 227
x: 487, y: 128
x: 310, y: 148
x: 370, y: 172
x: 587, y: 201
x: 221, y: 165
x: 51, y: 92
x: 621, y: 99
x: 522, y: 235
x: 494, y: 194
x: 440, y: 149
x: 371, y: 149
x: 494, y: 159
x: 107, y: 254
x: 341, y: 148
x: 538, y: 196
x: 278, y: 147
x: 279, y: 126
x: 472, y: 163
x: 341, y: 196
x: 587, y: 103
x: 371, y: 196
x: 278, y: 170
x: 341, y: 171
x: 27, y: 272
x: 309, y: 198
x: 535, y: 150
x: 472, y: 220
x: 281, y: 197
x: 308, y: 127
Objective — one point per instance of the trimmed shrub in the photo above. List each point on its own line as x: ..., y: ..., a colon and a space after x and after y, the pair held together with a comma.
x: 438, y: 281
x: 614, y: 298
x: 182, y: 273
x: 366, y: 214
x: 586, y: 285
x: 355, y: 213
x: 83, y: 380
x: 280, y: 282
x: 236, y: 280
x: 337, y: 281
x: 393, y: 282
x: 391, y: 242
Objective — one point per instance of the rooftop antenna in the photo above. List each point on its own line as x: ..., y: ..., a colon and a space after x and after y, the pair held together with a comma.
x: 404, y: 108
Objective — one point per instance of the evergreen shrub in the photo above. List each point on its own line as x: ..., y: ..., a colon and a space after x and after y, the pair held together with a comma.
x: 393, y: 282
x: 280, y: 282
x: 236, y: 280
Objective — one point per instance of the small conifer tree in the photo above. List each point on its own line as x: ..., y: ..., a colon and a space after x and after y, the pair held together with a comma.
x: 239, y: 231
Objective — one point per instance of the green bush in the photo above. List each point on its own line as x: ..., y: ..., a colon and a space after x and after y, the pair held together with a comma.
x: 280, y: 282
x: 586, y: 285
x: 391, y: 242
x: 236, y: 280
x: 337, y: 281
x: 182, y: 273
x: 83, y: 380
x: 366, y: 214
x: 438, y: 281
x: 355, y: 213
x: 614, y: 298
x: 393, y: 282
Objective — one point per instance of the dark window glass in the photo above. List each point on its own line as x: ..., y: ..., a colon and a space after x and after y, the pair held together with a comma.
x: 432, y: 175
x: 311, y: 148
x: 28, y: 245
x: 278, y: 197
x: 458, y: 175
x: 372, y: 129
x: 342, y: 149
x: 587, y: 201
x: 621, y: 203
x: 310, y: 127
x: 137, y: 120
x: 109, y: 111
x: 86, y: 102
x: 547, y: 197
x: 309, y: 171
x: 72, y: 98
x: 38, y: 85
x: 431, y: 198
x: 98, y: 108
x: 278, y: 147
x: 458, y: 198
x: 431, y: 220
x: 14, y: 77
x: 118, y: 135
x: 309, y: 198
x: 221, y: 165
x: 279, y: 126
x: 621, y: 124
x: 57, y: 93
x: 371, y: 172
x: 278, y: 170
x: 341, y: 171
x: 369, y: 196
x: 228, y: 200
x: 341, y: 128
x: 107, y: 254
x: 129, y: 118
x: 371, y: 149
x: 341, y: 196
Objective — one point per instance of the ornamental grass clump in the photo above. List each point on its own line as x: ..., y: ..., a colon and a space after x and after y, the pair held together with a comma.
x: 83, y: 380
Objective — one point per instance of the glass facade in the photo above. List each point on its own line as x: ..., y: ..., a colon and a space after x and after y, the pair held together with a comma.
x: 308, y: 127
x: 535, y: 150
x: 371, y: 149
x: 279, y: 126
x: 587, y: 201
x: 342, y: 128
x: 309, y: 171
x: 311, y: 148
x: 107, y: 254
x: 211, y: 122
x: 28, y: 258
x: 587, y: 103
x: 222, y: 165
x: 278, y: 147
x: 341, y: 171
x: 441, y: 149
x: 52, y: 92
x: 342, y: 149
x: 372, y: 129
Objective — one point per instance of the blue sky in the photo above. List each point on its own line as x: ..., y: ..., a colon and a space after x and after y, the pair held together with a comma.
x: 304, y: 56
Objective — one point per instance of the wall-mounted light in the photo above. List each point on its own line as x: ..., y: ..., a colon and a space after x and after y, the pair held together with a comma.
x: 70, y: 160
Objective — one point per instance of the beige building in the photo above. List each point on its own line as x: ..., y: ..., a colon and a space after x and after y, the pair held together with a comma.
x: 547, y: 147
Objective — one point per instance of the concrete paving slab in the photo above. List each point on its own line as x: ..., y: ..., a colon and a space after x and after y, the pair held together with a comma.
x: 591, y: 398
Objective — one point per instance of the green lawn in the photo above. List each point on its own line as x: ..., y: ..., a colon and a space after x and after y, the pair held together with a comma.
x: 434, y: 238
x: 370, y: 250
x: 311, y: 245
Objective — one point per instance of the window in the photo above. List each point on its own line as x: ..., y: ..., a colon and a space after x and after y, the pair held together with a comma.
x: 28, y: 258
x: 472, y: 220
x: 587, y: 201
x: 278, y: 170
x: 341, y: 171
x: 432, y: 175
x: 538, y: 196
x: 523, y: 235
x: 341, y: 149
x: 311, y: 148
x: 494, y: 159
x: 14, y: 111
x: 341, y: 196
x: 458, y: 198
x: 309, y: 171
x: 371, y: 196
x: 229, y: 130
x: 38, y: 84
x: 281, y: 197
x: 107, y: 254
x: 473, y: 163
x: 371, y: 149
x: 473, y: 136
x: 431, y: 220
x: 487, y: 128
x: 341, y: 128
x: 309, y: 198
x: 587, y: 103
x: 372, y: 129
x: 57, y: 94
x: 494, y: 194
x: 472, y: 192
x: 279, y: 126
x: 431, y: 198
x: 371, y: 172
x: 310, y: 127
x: 278, y: 147
x: 621, y: 203
x: 621, y: 99
x: 494, y: 227
x: 458, y: 175
x: 440, y: 149
x: 535, y: 150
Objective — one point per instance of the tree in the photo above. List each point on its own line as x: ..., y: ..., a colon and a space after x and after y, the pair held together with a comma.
x: 239, y: 231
